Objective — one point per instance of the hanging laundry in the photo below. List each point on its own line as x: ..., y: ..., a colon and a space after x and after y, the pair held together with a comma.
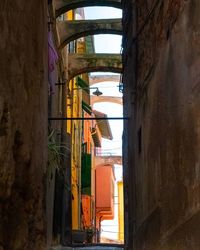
x: 52, y: 60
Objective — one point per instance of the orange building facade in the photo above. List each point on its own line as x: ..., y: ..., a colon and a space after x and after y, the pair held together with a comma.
x: 105, y: 179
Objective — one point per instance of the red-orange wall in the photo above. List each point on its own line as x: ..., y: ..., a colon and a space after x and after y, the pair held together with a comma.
x: 105, y: 191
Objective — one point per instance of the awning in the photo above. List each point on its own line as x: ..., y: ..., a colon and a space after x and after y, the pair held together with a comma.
x: 96, y: 137
x: 103, y: 125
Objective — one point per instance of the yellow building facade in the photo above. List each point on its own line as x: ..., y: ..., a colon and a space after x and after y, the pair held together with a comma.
x: 78, y: 93
x: 121, y: 211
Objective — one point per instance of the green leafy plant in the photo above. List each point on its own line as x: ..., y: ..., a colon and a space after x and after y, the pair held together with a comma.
x: 54, y: 153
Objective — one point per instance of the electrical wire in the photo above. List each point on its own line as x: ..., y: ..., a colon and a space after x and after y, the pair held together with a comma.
x: 151, y: 12
x: 147, y: 19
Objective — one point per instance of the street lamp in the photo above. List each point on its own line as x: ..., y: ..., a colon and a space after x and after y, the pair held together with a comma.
x: 97, y: 92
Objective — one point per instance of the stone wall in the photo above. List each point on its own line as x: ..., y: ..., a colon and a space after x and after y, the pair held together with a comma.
x: 164, y: 149
x: 23, y: 123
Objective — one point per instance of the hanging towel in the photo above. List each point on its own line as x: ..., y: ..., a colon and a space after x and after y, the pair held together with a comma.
x: 52, y: 60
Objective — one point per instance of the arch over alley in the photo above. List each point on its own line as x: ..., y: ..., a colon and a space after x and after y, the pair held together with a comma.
x: 62, y: 6
x: 110, y: 159
x: 111, y: 99
x: 71, y: 30
x: 82, y: 63
x: 94, y: 79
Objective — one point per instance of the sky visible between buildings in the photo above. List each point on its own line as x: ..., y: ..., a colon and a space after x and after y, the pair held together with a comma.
x: 109, y: 44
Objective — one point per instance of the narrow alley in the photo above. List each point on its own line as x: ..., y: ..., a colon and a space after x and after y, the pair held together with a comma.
x: 100, y: 125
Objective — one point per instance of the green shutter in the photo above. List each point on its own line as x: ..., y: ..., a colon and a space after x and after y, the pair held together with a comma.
x: 87, y: 108
x: 86, y: 174
x: 82, y: 84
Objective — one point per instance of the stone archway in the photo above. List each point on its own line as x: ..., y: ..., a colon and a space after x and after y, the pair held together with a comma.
x: 62, y: 6
x: 72, y: 30
x: 94, y: 79
x: 108, y: 159
x: 82, y: 63
x: 111, y: 99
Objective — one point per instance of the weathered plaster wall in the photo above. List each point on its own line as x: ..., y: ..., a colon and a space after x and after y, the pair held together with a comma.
x: 23, y: 123
x: 166, y: 139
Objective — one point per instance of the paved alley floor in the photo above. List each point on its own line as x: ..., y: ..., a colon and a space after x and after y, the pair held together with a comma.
x: 88, y: 248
